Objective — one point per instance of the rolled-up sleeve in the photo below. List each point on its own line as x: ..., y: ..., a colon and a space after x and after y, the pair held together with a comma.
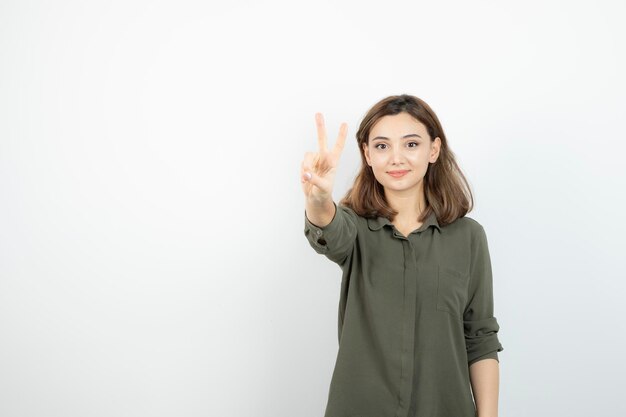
x: 336, y: 239
x: 480, y: 326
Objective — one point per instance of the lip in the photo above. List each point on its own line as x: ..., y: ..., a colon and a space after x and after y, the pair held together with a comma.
x: 397, y: 174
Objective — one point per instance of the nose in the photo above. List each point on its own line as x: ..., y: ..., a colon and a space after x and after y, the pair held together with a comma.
x: 396, y: 157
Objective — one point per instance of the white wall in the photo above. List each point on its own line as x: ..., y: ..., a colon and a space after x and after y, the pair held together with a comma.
x: 152, y: 255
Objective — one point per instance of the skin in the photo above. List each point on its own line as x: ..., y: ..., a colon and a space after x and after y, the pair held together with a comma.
x: 405, y: 194
x: 317, y: 174
x: 485, y: 380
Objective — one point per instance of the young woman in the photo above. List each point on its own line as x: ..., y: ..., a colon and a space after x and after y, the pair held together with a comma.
x: 417, y: 334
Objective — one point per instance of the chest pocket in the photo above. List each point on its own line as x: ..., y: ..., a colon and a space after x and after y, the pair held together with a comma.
x: 452, y: 288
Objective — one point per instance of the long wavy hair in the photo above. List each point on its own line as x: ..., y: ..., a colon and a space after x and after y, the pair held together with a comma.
x: 446, y: 189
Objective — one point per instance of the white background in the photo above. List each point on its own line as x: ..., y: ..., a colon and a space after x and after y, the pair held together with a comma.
x: 152, y: 255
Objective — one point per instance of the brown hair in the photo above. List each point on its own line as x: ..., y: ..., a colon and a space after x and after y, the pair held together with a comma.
x: 446, y: 189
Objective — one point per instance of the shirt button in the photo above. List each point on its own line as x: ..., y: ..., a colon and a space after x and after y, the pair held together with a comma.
x: 319, y: 232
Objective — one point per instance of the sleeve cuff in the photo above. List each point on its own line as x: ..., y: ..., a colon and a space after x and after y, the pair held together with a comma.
x: 319, y: 234
x: 336, y: 239
x: 490, y: 355
x: 481, y: 338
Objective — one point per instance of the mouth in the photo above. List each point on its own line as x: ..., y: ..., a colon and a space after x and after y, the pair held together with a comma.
x: 397, y: 174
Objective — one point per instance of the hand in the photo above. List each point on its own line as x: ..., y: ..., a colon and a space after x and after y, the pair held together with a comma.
x: 322, y: 165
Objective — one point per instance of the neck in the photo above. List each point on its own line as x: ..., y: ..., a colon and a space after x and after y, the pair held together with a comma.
x: 408, y: 203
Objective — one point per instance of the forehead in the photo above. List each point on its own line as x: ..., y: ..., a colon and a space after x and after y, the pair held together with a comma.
x: 398, y: 125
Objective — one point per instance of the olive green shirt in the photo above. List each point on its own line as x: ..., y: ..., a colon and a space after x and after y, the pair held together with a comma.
x: 414, y: 313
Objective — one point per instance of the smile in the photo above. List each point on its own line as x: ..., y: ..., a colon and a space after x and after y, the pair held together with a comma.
x: 397, y: 174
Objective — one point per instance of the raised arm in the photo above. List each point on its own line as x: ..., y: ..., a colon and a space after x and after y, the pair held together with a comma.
x: 331, y: 230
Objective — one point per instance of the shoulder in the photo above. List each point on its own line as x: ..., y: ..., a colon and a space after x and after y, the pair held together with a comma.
x: 466, y: 229
x: 466, y: 224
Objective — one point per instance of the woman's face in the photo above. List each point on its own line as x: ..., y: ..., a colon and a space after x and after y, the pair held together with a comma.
x: 400, y: 143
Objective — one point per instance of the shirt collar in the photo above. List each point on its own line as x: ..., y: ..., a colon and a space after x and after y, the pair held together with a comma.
x: 378, y: 222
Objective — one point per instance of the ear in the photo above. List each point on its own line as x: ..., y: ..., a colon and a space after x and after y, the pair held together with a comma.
x: 366, y: 151
x: 435, y: 148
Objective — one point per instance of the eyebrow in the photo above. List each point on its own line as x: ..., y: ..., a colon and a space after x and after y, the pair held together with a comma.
x: 412, y: 135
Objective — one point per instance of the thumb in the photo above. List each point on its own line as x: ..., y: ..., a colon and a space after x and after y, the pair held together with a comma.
x: 307, y: 176
x: 312, y: 178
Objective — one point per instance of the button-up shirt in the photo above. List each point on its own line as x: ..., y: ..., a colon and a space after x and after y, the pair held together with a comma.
x: 414, y: 313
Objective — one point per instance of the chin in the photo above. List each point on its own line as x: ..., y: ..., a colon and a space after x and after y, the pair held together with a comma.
x: 399, y: 187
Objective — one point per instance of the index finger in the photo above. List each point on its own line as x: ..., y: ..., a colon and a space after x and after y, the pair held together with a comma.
x: 321, y: 131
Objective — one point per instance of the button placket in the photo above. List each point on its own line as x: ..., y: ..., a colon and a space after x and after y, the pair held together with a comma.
x: 408, y: 333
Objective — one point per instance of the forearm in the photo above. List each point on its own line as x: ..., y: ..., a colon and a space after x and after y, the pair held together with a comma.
x: 320, y: 214
x: 485, y: 380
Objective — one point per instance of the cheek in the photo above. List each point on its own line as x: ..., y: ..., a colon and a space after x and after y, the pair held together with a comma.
x: 418, y: 158
x: 379, y: 157
x: 378, y: 162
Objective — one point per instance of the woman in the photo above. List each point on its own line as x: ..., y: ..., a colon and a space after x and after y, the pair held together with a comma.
x: 417, y: 334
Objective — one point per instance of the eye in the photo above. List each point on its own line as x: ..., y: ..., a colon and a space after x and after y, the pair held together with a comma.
x: 377, y: 146
x: 414, y: 143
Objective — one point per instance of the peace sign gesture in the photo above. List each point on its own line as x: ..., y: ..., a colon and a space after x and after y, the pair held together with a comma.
x: 322, y: 165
